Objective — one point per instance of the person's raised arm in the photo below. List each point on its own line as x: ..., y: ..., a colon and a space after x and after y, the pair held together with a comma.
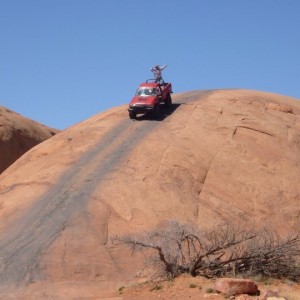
x: 163, y: 67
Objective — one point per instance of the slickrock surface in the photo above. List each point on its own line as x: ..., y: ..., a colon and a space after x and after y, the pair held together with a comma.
x: 19, y: 134
x: 218, y: 156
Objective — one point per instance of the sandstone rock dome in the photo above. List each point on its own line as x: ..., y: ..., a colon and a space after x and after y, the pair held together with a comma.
x: 219, y: 156
x: 19, y: 134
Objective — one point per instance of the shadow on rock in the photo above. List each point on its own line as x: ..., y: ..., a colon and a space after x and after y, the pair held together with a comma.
x: 164, y: 113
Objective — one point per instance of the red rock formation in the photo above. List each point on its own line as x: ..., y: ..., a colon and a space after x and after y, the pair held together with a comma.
x: 220, y: 156
x: 17, y: 135
x: 235, y: 286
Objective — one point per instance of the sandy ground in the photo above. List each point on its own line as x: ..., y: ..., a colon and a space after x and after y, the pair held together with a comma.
x: 198, y: 288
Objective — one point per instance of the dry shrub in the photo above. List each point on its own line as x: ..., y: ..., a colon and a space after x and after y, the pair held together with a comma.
x: 224, y: 251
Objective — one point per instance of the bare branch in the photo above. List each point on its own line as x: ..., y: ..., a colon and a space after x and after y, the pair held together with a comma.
x: 226, y: 250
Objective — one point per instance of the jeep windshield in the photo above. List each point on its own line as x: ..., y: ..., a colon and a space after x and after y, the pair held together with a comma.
x: 145, y: 91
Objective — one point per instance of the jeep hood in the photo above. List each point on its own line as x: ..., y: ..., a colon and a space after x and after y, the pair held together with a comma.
x: 142, y: 100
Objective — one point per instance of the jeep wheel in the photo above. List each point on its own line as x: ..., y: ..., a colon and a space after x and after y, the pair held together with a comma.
x: 168, y: 101
x: 156, y: 112
x: 132, y: 115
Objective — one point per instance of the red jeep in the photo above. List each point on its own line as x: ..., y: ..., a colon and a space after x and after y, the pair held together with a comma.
x: 148, y: 98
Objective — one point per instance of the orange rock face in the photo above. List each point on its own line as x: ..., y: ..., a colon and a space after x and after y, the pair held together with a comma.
x: 17, y: 135
x: 218, y: 156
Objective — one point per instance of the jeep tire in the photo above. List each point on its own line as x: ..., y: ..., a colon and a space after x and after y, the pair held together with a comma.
x: 168, y: 101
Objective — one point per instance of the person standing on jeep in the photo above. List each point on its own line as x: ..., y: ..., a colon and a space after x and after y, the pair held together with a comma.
x: 157, y: 72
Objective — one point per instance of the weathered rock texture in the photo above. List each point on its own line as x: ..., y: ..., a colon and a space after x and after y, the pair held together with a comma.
x: 220, y: 156
x: 268, y: 294
x: 17, y: 135
x: 235, y: 286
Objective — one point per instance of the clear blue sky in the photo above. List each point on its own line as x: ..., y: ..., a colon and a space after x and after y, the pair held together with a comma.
x: 62, y: 61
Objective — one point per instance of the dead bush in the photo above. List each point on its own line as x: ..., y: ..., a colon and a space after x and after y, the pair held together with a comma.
x: 224, y: 251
